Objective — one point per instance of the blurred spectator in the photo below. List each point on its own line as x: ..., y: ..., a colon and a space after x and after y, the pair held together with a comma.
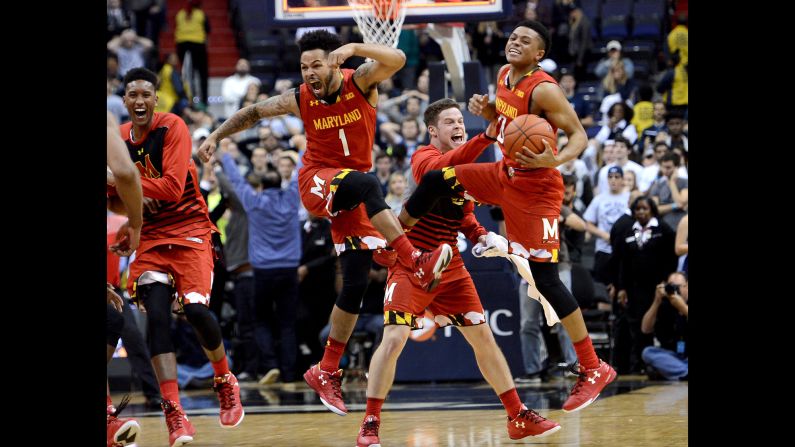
x: 618, y: 124
x: 605, y: 208
x: 259, y: 161
x: 675, y: 136
x: 620, y: 159
x: 582, y: 107
x: 578, y: 169
x: 190, y: 35
x: 119, y: 19
x: 382, y: 171
x: 644, y: 254
x: 149, y: 17
x: 396, y: 193
x: 630, y: 181
x: 113, y: 73
x: 234, y: 87
x: 249, y: 97
x: 131, y: 50
x: 171, y: 94
x: 410, y: 45
x: 617, y: 81
x: 488, y: 41
x: 650, y: 171
x: 667, y: 320
x: 574, y: 238
x: 677, y: 38
x: 115, y: 104
x: 285, y: 165
x: 274, y: 252
x: 643, y: 110
x: 613, y: 56
x: 669, y: 191
x: 673, y: 83
x: 681, y: 244
x: 580, y: 41
x: 658, y: 125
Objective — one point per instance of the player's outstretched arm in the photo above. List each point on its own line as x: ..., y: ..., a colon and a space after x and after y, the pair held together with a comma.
x: 386, y: 61
x: 247, y: 117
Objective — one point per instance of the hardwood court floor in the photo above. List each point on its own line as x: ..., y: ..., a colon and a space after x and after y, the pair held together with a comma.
x: 629, y: 413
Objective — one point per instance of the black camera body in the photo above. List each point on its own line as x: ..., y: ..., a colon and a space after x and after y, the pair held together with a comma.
x: 670, y: 289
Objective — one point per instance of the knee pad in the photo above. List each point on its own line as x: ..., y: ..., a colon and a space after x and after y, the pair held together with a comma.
x: 156, y: 298
x: 355, y: 270
x: 549, y: 284
x: 356, y: 188
x: 207, y: 328
x: 115, y: 323
x: 433, y: 186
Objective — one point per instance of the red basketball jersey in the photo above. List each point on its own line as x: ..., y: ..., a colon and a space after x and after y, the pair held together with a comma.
x: 340, y: 134
x: 516, y: 100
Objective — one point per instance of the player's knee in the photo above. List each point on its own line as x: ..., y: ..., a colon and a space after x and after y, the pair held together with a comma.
x: 393, y: 342
x: 350, y: 299
x: 549, y: 284
x: 205, y: 324
x: 356, y: 188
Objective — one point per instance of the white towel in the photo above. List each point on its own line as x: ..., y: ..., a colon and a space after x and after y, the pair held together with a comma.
x: 497, y: 245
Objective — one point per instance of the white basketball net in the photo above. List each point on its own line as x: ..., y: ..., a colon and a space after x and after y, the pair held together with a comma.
x: 379, y: 20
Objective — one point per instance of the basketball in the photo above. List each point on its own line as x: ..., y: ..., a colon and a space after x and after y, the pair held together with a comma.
x: 528, y: 130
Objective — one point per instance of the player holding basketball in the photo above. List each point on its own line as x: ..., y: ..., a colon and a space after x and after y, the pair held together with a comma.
x: 455, y: 301
x: 121, y: 431
x: 338, y: 110
x: 176, y: 253
x: 529, y: 190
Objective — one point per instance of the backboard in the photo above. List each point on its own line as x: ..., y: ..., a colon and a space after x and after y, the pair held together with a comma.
x: 300, y: 13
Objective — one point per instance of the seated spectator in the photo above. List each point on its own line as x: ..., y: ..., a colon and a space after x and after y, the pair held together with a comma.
x: 658, y: 125
x: 131, y: 49
x: 669, y: 191
x: 618, y: 123
x: 582, y: 107
x: 617, y: 81
x: 613, y: 55
x: 620, y: 159
x: 396, y: 193
x: 667, y: 320
x: 382, y: 171
x: 234, y: 87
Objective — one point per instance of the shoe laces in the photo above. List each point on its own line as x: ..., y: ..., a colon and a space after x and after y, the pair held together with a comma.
x: 581, y: 376
x: 531, y: 416
x: 336, y: 383
x: 226, y: 394
x: 124, y: 401
x: 370, y: 427
x: 173, y: 416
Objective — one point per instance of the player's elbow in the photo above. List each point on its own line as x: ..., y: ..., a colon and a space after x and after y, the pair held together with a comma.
x: 126, y: 174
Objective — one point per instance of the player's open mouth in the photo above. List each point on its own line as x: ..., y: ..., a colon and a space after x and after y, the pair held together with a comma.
x: 140, y: 113
x: 317, y: 87
x: 514, y: 51
x: 458, y: 138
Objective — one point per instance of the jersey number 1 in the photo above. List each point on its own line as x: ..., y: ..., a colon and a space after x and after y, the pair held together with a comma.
x: 344, y: 143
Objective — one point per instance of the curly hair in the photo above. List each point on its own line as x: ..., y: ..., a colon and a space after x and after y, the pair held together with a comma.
x: 319, y: 39
x: 140, y: 74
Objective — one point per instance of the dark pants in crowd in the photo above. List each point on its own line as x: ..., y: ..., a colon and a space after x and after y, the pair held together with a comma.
x: 246, y: 353
x: 276, y: 292
x: 198, y: 54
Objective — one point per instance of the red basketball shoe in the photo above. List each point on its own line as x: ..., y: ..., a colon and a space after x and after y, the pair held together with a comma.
x: 589, y: 384
x: 121, y: 431
x: 429, y: 265
x: 328, y: 386
x: 368, y: 433
x: 228, y: 392
x: 530, y: 423
x: 180, y: 430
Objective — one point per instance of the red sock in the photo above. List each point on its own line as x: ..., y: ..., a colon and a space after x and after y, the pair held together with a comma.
x: 586, y: 354
x: 374, y: 407
x: 332, y: 355
x: 511, y: 402
x: 170, y: 390
x: 404, y: 248
x: 110, y: 402
x: 220, y: 367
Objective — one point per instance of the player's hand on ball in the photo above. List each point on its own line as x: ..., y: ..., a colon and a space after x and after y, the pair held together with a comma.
x: 546, y: 159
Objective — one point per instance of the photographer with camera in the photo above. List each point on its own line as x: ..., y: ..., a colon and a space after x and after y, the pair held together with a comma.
x: 667, y: 320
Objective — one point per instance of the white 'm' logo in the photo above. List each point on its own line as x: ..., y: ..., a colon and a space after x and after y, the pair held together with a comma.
x: 550, y: 230
x: 318, y: 188
x: 388, y: 295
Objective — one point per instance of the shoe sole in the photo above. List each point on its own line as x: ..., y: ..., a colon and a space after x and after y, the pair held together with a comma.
x: 370, y: 445
x: 333, y: 409
x: 610, y: 380
x: 182, y: 440
x: 541, y: 435
x: 441, y: 264
x: 236, y: 424
x: 129, y: 430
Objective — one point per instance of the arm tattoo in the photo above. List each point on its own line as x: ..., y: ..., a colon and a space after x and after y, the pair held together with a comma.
x: 364, y: 71
x: 249, y: 116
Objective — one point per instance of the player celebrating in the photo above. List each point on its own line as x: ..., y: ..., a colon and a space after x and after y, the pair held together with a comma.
x: 338, y: 110
x: 455, y: 301
x: 176, y: 252
x: 529, y: 189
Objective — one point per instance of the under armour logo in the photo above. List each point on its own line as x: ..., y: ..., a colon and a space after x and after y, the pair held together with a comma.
x: 595, y: 375
x: 420, y: 273
x: 322, y: 380
x: 314, y: 102
x: 519, y: 424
